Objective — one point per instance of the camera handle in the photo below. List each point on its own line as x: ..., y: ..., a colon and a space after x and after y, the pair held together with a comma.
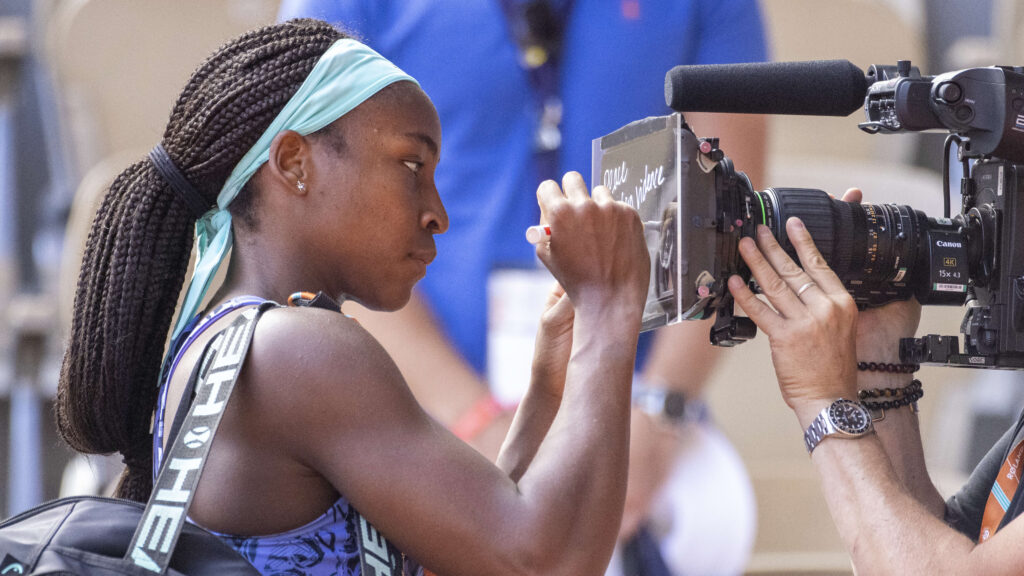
x: 729, y: 329
x: 945, y: 351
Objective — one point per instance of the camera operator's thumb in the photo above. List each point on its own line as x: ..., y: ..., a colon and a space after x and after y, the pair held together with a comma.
x: 596, y: 250
x: 853, y: 195
x: 879, y: 330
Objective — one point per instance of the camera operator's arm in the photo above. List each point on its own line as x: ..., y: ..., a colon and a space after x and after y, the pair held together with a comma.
x: 681, y: 357
x: 813, y: 340
x: 878, y: 334
x: 900, y: 436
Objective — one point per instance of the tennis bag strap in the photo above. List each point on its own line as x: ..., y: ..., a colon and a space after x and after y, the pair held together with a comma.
x: 164, y: 517
x: 212, y: 383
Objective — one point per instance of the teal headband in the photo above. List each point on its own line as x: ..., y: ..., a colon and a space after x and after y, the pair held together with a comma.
x: 344, y: 77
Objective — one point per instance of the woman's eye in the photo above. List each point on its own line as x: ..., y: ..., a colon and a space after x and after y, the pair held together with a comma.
x: 414, y: 166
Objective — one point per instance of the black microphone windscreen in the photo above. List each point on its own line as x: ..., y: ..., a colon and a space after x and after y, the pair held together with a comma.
x: 816, y: 88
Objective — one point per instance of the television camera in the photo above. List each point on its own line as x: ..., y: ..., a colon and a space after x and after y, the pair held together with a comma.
x: 697, y: 205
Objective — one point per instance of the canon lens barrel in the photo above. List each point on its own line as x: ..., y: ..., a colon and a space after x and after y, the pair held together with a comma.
x: 881, y: 252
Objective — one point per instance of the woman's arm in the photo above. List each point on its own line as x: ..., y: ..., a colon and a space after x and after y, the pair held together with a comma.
x: 540, y: 404
x: 422, y: 351
x: 356, y: 422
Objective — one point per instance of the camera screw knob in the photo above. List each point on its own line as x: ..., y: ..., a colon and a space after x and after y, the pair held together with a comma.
x: 709, y: 148
x: 949, y: 92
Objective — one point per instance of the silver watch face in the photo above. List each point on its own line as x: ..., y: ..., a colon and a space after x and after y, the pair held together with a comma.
x: 849, y: 417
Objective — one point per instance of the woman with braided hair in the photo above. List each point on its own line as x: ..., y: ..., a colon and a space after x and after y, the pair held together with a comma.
x: 310, y: 159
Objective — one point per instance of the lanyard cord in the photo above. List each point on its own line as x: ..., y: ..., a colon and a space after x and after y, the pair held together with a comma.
x: 538, y: 27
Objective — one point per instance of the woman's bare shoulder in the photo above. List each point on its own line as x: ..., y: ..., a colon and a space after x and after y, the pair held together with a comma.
x: 323, y: 370
x: 317, y: 347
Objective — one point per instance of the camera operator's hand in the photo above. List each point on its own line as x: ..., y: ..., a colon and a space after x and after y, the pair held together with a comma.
x: 879, y: 329
x: 597, y: 250
x: 811, y: 323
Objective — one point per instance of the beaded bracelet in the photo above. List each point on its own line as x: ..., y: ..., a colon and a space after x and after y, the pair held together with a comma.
x: 906, y: 396
x: 897, y: 403
x: 911, y: 388
x: 887, y: 367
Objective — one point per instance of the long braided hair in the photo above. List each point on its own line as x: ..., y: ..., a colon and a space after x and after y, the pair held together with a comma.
x: 138, y: 248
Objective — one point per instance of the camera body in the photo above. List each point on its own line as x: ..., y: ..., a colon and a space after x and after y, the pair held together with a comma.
x: 696, y: 206
x: 982, y: 105
x: 992, y: 218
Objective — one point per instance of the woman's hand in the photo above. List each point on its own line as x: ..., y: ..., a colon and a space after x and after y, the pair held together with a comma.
x: 554, y: 342
x: 811, y: 323
x: 597, y: 250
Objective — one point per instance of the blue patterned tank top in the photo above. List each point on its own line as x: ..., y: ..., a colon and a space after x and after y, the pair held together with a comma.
x: 326, y: 546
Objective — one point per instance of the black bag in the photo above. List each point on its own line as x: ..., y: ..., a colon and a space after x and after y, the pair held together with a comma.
x: 90, y: 535
x: 105, y: 537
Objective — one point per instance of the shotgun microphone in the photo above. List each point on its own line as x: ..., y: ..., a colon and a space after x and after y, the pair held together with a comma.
x: 817, y: 88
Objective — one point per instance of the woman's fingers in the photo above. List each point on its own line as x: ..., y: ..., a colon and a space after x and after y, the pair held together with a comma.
x: 554, y: 296
x: 602, y: 195
x: 549, y: 195
x: 596, y: 246
x: 575, y: 188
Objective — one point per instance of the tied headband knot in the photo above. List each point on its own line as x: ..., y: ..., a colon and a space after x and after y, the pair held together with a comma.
x: 178, y: 182
x: 345, y: 76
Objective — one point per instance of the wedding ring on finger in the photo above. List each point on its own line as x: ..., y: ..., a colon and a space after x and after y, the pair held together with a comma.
x: 804, y: 288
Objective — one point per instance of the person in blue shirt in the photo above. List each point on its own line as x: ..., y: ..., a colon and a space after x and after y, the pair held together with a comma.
x: 495, y: 94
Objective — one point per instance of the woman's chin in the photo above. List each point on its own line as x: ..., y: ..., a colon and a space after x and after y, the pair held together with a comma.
x: 385, y: 302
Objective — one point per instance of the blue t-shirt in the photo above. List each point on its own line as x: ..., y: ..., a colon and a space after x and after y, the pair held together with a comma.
x: 463, y: 54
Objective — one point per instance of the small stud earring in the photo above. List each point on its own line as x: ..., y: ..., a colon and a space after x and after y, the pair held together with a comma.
x: 301, y: 186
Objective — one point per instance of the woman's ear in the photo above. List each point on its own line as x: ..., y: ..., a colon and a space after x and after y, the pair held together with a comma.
x: 289, y: 164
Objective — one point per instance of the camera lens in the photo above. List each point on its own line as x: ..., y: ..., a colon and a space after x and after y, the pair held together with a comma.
x: 881, y: 252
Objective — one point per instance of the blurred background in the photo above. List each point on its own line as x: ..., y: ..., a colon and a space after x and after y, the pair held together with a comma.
x: 86, y: 87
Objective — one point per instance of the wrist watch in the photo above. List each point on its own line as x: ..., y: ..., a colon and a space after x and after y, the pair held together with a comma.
x: 842, y: 418
x: 670, y: 405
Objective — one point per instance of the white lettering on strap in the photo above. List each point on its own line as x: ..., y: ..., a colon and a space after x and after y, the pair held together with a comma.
x: 159, y: 527
x: 375, y: 548
x: 381, y: 567
x: 142, y: 559
x: 229, y: 351
x: 182, y: 466
x: 372, y: 540
x: 213, y: 380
